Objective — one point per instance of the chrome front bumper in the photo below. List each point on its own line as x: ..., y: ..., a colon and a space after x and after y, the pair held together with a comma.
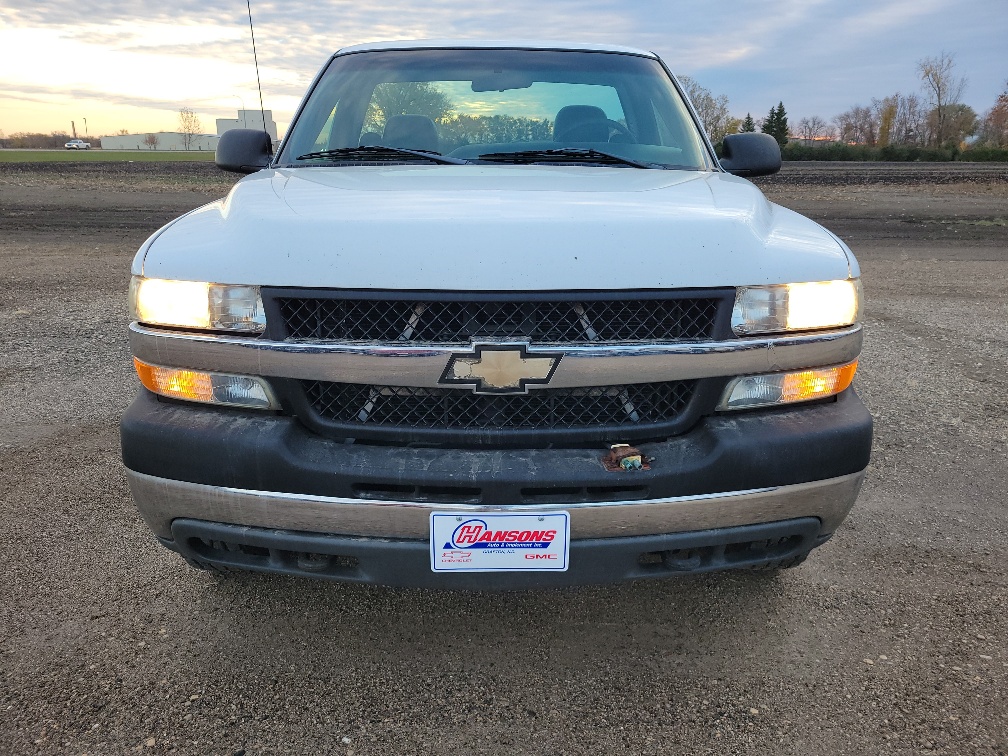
x: 161, y: 501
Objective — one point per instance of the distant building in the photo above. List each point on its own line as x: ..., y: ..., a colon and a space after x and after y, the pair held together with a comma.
x: 172, y: 140
x: 249, y: 119
x: 821, y: 141
x: 166, y: 141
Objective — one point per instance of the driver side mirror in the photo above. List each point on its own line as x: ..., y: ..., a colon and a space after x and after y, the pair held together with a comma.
x: 243, y: 150
x: 751, y: 154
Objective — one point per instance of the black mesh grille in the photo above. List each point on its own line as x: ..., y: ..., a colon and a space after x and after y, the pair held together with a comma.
x: 454, y: 322
x: 633, y: 405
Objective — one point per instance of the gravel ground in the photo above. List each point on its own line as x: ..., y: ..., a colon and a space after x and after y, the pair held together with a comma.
x: 890, y: 639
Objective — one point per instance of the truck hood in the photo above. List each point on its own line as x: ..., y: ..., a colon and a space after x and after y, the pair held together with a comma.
x: 493, y: 228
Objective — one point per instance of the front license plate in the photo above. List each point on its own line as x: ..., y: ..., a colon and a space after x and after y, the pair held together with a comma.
x: 486, y: 542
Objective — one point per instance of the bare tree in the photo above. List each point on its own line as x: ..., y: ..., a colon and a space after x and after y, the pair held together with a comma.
x: 189, y: 127
x: 858, y: 126
x: 152, y: 141
x: 908, y: 126
x: 943, y: 89
x: 394, y: 99
x: 811, y: 128
x: 712, y: 111
x: 994, y: 129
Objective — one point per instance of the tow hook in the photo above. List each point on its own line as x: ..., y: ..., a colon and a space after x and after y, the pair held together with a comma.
x: 625, y: 458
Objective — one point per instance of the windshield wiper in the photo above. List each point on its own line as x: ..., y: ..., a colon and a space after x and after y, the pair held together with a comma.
x: 377, y: 151
x: 565, y: 155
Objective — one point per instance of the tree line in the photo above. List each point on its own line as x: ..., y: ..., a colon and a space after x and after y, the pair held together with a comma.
x: 935, y: 118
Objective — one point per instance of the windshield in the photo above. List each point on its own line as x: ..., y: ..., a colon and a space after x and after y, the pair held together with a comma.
x: 499, y: 106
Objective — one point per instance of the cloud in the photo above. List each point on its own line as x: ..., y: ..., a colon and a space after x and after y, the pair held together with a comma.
x: 817, y: 55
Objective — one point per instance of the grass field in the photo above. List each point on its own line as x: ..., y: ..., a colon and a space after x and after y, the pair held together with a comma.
x: 76, y: 156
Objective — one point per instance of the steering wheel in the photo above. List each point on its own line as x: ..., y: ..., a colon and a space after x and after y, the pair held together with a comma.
x: 619, y: 128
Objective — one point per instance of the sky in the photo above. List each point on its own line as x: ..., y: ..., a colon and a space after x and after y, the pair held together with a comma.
x: 132, y: 65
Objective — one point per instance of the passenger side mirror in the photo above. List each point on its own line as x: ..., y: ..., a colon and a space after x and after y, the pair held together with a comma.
x: 243, y: 150
x: 751, y: 154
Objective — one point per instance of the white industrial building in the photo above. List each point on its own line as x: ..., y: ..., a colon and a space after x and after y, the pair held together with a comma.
x: 249, y: 119
x: 162, y: 141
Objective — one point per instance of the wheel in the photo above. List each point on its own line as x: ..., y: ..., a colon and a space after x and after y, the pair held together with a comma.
x: 619, y: 128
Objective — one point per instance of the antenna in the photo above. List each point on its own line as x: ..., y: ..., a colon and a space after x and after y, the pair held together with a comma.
x: 258, y: 82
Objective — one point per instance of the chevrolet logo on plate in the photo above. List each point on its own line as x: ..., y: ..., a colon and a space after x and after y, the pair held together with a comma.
x: 500, y: 369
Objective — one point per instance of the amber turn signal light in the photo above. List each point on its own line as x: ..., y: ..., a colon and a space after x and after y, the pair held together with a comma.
x: 208, y: 388
x: 787, y: 388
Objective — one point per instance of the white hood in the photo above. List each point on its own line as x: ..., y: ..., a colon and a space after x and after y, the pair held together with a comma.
x: 493, y: 228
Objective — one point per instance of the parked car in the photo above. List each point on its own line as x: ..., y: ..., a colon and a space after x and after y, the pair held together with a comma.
x: 495, y: 316
x: 77, y: 144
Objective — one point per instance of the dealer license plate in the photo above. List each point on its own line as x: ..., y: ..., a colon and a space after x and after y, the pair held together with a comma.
x: 488, y: 542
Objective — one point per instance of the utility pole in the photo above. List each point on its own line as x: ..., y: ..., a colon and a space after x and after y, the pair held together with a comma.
x: 85, y: 128
x: 73, y: 128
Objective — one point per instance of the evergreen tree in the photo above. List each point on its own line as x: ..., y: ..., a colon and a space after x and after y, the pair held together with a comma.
x: 783, y: 130
x: 770, y: 122
x: 776, y: 124
x: 748, y: 125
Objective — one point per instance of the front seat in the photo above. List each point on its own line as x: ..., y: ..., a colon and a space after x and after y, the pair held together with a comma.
x: 411, y: 132
x: 581, y: 123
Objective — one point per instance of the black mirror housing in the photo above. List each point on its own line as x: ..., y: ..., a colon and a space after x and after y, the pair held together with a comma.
x: 751, y: 154
x: 243, y: 150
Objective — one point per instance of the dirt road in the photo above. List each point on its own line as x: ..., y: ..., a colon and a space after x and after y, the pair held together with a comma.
x: 890, y: 639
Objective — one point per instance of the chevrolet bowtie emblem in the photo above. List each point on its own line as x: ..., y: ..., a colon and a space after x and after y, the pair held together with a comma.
x: 500, y: 368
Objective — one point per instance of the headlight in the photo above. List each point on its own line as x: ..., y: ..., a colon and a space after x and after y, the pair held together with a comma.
x: 194, y: 304
x: 796, y: 307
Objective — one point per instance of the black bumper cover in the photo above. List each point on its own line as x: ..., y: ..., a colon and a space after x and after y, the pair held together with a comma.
x: 264, y: 452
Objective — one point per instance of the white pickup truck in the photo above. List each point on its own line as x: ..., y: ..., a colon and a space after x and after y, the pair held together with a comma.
x: 494, y: 315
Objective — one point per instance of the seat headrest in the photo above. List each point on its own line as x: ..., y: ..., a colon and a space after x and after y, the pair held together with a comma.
x: 412, y: 132
x: 581, y: 123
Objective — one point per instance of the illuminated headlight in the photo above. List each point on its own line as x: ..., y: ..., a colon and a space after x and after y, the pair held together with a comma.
x: 796, y: 307
x: 194, y: 304
x: 787, y: 388
x: 208, y: 388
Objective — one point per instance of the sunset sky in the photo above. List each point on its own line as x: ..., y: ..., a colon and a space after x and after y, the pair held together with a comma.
x: 132, y: 65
